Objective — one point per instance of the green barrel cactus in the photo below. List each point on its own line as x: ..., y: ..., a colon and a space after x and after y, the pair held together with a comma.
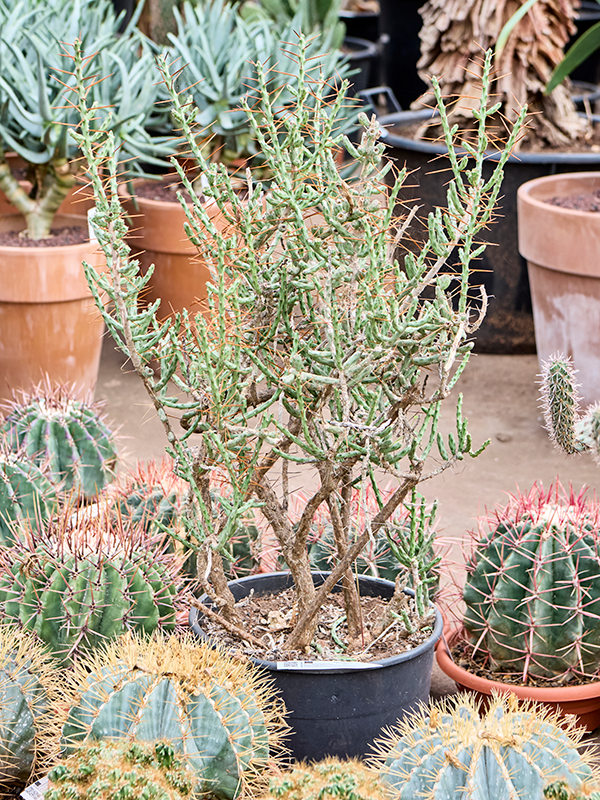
x: 28, y: 682
x: 512, y: 752
x: 331, y: 779
x: 218, y: 712
x: 64, y: 436
x: 532, y: 592
x: 25, y: 494
x: 121, y: 770
x: 82, y: 581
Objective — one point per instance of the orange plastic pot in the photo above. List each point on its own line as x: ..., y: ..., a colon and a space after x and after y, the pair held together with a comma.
x: 582, y: 701
x: 562, y: 248
x: 157, y: 236
x: 49, y: 323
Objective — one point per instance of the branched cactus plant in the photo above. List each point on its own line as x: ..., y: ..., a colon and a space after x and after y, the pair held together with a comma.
x: 331, y: 779
x: 570, y: 430
x: 317, y: 344
x: 219, y: 713
x: 81, y: 580
x: 513, y: 750
x: 66, y: 437
x: 532, y: 591
x: 25, y: 493
x: 121, y: 770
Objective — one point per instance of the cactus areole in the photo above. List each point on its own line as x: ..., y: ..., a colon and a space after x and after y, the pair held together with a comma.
x: 532, y: 590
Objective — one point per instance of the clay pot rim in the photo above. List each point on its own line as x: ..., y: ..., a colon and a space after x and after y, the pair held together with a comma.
x: 84, y: 246
x: 124, y: 193
x: 560, y: 694
x: 524, y: 193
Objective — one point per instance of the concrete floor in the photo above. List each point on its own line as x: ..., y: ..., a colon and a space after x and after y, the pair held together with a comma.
x: 500, y: 402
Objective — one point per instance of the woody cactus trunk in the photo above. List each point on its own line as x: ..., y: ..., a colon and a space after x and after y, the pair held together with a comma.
x: 321, y: 349
x: 455, y: 31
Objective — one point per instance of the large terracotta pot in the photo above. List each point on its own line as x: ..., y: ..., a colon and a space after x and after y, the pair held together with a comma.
x: 158, y: 237
x: 49, y: 324
x: 562, y: 248
x: 582, y: 701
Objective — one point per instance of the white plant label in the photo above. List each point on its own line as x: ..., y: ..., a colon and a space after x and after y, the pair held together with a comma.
x: 323, y: 665
x: 37, y: 790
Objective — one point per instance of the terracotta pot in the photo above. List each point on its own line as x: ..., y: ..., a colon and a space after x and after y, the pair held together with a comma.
x: 49, y: 323
x: 158, y: 237
x: 562, y: 248
x: 582, y: 701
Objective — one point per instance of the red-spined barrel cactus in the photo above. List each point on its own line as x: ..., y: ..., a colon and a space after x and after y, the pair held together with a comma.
x: 218, y: 712
x: 121, y: 770
x: 65, y: 436
x: 25, y: 494
x: 81, y: 581
x: 514, y: 751
x: 532, y: 591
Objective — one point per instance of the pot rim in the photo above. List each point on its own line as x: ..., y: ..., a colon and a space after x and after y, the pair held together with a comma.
x: 524, y: 192
x: 299, y: 666
x: 556, y: 694
x: 72, y: 248
x: 123, y: 192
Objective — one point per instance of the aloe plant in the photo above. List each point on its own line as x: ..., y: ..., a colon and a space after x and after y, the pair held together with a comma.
x: 36, y: 111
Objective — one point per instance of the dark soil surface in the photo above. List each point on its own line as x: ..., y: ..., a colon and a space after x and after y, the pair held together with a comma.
x: 164, y: 191
x: 270, y: 618
x: 70, y: 234
x: 589, y: 201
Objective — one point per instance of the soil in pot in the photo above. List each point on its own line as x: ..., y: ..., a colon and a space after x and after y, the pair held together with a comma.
x: 587, y: 201
x: 338, y: 708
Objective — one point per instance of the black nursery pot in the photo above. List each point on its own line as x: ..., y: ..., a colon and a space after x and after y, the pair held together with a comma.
x: 362, y: 56
x: 339, y: 710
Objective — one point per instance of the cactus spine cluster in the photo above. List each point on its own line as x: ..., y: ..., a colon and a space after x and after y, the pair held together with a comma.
x: 570, y: 430
x: 330, y: 779
x: 511, y: 751
x: 121, y: 770
x: 219, y: 713
x: 25, y: 494
x: 81, y: 581
x: 27, y: 685
x: 64, y: 436
x: 532, y: 591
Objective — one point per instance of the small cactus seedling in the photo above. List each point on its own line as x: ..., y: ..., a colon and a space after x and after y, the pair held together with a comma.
x: 28, y: 681
x: 25, y: 494
x: 330, y: 779
x: 559, y: 790
x: 65, y: 436
x: 532, y: 591
x: 513, y: 750
x: 218, y: 712
x: 82, y: 580
x: 570, y: 430
x: 121, y: 770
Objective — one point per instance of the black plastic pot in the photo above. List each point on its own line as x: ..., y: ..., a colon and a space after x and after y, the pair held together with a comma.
x: 400, y: 24
x: 338, y: 708
x: 361, y: 24
x: 361, y: 55
x: 508, y: 325
x: 587, y: 15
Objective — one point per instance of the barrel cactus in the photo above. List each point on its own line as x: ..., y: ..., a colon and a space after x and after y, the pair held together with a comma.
x: 217, y: 712
x: 513, y: 750
x: 65, y: 436
x: 81, y: 580
x: 532, y: 592
x: 120, y: 770
x: 25, y: 494
x: 28, y: 683
x: 331, y: 779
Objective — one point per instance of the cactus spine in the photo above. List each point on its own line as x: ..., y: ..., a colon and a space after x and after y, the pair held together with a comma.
x: 82, y: 581
x: 64, y: 436
x: 25, y: 494
x: 513, y: 751
x: 217, y: 712
x: 121, y: 770
x: 570, y: 430
x: 330, y: 779
x: 532, y: 591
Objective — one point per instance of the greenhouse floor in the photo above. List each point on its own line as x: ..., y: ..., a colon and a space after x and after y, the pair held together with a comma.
x: 501, y: 404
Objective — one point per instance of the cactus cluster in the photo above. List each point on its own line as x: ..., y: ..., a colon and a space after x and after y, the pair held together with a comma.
x: 121, y: 770
x: 568, y: 428
x: 532, y: 593
x: 513, y: 750
x: 26, y: 494
x: 64, y: 436
x: 81, y: 580
x: 331, y: 779
x: 219, y: 713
